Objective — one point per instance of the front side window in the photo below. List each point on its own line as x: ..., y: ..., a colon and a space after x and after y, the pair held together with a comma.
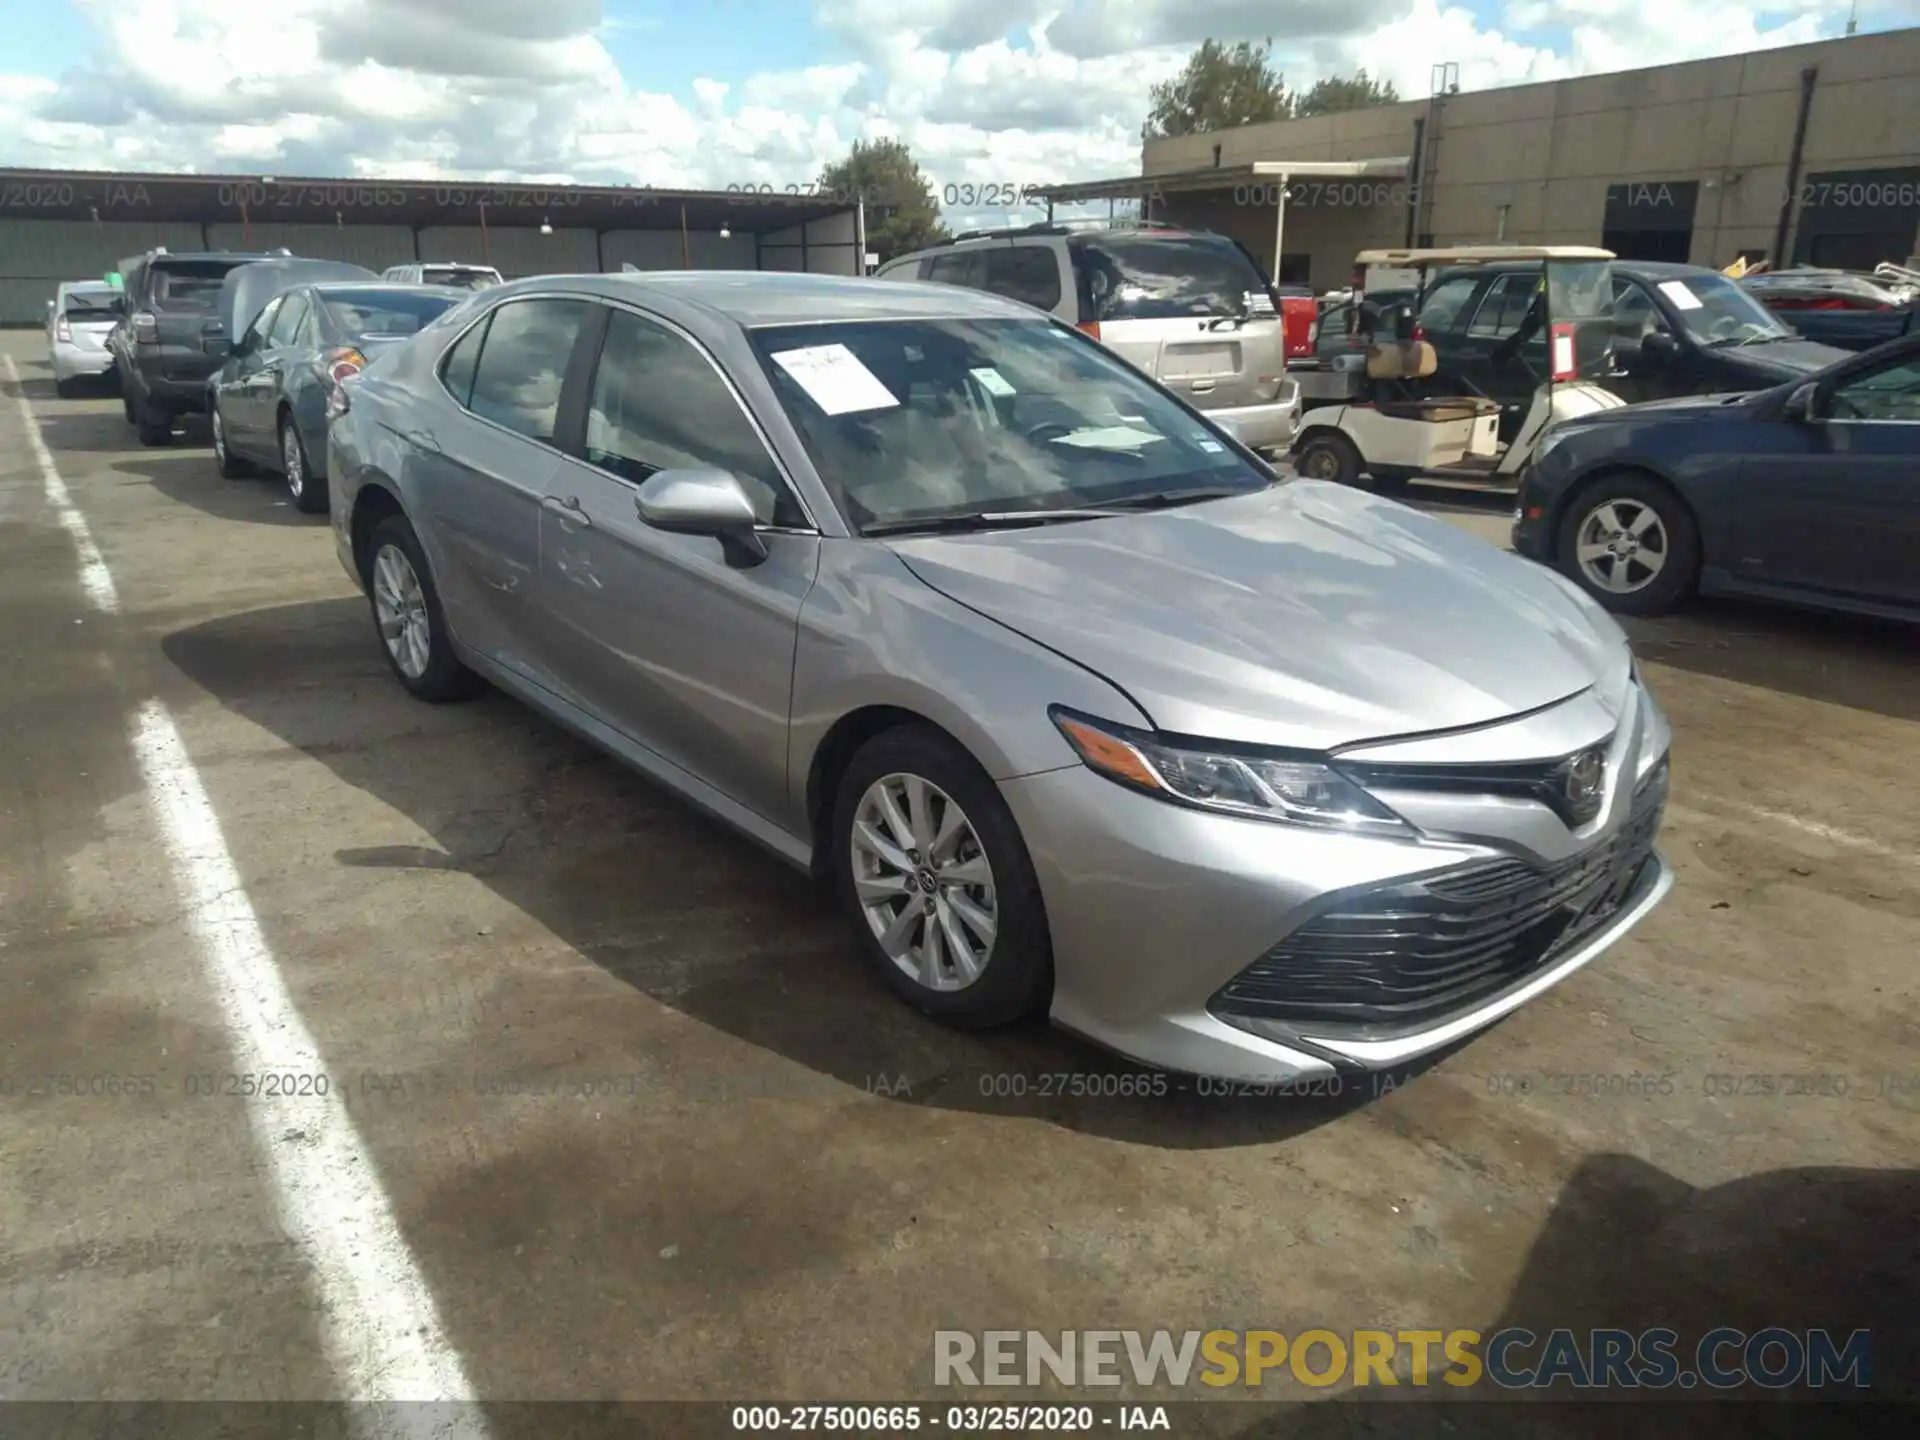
x: 523, y: 363
x: 658, y: 404
x: 256, y: 336
x: 911, y: 420
x: 1027, y: 273
x: 1441, y: 310
x: 287, y: 323
x: 1891, y: 392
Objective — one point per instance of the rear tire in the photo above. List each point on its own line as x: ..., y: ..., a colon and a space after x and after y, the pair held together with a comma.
x: 401, y: 591
x: 973, y: 870
x: 1328, y: 456
x: 309, y: 495
x: 155, y: 426
x: 1629, y: 541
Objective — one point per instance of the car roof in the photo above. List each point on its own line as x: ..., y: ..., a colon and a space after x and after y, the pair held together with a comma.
x: 752, y: 298
x: 361, y: 287
x: 1480, y: 255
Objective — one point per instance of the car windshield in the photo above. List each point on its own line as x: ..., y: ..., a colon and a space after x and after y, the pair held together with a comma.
x: 1167, y: 276
x: 911, y: 420
x: 190, y: 286
x: 461, y: 279
x: 383, y: 314
x: 1715, y: 311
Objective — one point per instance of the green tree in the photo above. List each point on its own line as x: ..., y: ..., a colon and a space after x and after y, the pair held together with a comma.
x: 903, y: 213
x: 1333, y: 93
x: 1221, y: 86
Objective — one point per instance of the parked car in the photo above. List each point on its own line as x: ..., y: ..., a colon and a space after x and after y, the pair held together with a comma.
x: 1189, y: 308
x: 1082, y: 710
x: 1838, y: 307
x: 80, y: 316
x: 1808, y: 492
x: 452, y: 273
x: 159, y: 345
x: 1679, y: 330
x: 267, y: 405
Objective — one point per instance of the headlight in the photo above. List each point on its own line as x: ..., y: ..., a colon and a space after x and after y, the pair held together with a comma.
x: 1262, y: 786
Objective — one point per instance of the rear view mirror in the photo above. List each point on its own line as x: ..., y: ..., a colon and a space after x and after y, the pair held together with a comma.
x: 704, y: 502
x: 1803, y: 404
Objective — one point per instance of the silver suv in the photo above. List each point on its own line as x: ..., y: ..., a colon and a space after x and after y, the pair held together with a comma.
x: 1190, y: 308
x: 460, y: 277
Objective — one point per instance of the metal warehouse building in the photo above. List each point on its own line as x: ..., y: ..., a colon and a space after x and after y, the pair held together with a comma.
x: 74, y: 225
x: 1803, y: 155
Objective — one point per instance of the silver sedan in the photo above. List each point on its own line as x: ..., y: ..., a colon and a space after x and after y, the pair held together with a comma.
x: 1079, y: 709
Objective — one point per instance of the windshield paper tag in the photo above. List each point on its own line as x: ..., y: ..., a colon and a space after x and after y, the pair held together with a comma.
x: 835, y: 380
x: 1680, y: 295
x: 992, y: 381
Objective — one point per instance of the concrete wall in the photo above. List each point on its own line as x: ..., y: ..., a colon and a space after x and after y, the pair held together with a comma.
x: 1548, y: 153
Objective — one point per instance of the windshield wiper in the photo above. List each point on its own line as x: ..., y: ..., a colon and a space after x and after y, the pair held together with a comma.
x: 980, y: 520
x: 1166, y: 499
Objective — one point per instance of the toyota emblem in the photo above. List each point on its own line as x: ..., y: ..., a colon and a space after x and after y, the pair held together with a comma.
x: 1586, y: 773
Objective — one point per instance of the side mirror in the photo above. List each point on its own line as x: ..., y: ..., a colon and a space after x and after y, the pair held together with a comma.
x: 704, y: 502
x: 1658, y: 345
x: 1803, y: 405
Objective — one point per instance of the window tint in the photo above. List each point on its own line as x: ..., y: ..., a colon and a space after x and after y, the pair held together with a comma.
x: 1167, y: 276
x: 188, y: 285
x: 456, y: 371
x: 292, y: 311
x: 1504, y: 305
x: 1891, y: 392
x: 959, y: 267
x: 523, y: 363
x: 384, y: 312
x: 1446, y: 300
x: 1635, y: 316
x: 1027, y: 273
x: 658, y: 404
x: 256, y: 334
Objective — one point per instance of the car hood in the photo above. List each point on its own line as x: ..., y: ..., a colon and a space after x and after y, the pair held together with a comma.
x: 1779, y: 360
x: 1308, y: 615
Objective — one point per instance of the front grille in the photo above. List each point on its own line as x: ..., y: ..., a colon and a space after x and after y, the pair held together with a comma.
x: 1388, y: 962
x: 1541, y: 780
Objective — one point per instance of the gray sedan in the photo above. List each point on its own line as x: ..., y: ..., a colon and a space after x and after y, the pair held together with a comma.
x: 267, y: 404
x: 1080, y: 710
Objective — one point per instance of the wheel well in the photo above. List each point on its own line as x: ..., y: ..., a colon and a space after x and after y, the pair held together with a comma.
x: 373, y: 504
x: 1319, y: 432
x: 836, y: 752
x: 1558, y: 517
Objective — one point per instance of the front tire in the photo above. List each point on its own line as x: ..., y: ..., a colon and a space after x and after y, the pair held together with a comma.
x: 231, y: 466
x: 309, y: 495
x: 1329, y: 456
x: 66, y: 388
x: 408, y: 619
x: 935, y: 877
x: 1630, y: 542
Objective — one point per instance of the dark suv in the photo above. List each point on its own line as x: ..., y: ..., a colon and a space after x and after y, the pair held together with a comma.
x: 170, y: 311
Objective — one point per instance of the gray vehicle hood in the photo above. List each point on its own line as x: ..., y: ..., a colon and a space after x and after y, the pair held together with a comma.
x: 1308, y: 615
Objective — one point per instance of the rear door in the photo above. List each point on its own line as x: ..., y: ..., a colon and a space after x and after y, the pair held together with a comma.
x: 1035, y: 273
x: 265, y: 385
x: 1191, y: 310
x: 1833, y: 505
x: 1492, y: 354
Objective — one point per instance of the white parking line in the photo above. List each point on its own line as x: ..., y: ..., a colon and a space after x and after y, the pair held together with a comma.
x: 95, y: 578
x: 384, y: 1333
x: 1831, y: 834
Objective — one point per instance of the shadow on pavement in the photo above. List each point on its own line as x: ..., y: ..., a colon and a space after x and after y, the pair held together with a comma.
x: 671, y: 902
x: 191, y: 479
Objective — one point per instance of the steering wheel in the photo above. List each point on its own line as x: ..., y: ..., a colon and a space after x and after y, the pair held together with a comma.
x: 1046, y: 432
x: 1724, y: 327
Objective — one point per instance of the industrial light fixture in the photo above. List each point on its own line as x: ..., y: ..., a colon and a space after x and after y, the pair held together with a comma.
x: 726, y: 231
x: 546, y: 226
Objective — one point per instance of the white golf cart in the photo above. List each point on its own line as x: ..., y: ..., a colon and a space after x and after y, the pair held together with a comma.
x: 1396, y: 423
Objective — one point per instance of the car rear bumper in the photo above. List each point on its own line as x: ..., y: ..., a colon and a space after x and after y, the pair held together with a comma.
x: 1265, y: 427
x: 70, y: 361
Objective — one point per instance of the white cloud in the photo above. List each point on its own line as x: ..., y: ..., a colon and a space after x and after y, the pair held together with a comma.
x: 498, y: 89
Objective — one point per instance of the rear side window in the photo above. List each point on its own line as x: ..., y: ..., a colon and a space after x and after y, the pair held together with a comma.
x: 1027, y: 273
x: 287, y: 323
x: 1505, y: 305
x: 456, y: 371
x: 523, y: 363
x: 1444, y: 303
x: 1166, y: 277
x: 959, y: 267
x: 188, y: 286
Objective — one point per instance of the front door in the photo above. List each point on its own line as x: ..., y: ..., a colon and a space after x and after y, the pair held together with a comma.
x: 1833, y: 503
x: 479, y: 458
x: 656, y: 634
x: 236, y: 380
x: 1502, y: 351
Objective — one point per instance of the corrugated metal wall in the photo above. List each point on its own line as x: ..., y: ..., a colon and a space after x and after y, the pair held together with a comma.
x: 512, y: 252
x: 660, y: 250
x: 36, y: 255
x: 374, y: 246
x: 829, y: 247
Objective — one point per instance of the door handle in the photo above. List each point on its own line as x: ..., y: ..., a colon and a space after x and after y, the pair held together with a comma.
x: 569, y: 508
x: 423, y: 440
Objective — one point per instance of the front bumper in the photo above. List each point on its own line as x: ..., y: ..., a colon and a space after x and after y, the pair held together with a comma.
x: 1161, y: 915
x: 1531, y: 536
x: 1265, y: 427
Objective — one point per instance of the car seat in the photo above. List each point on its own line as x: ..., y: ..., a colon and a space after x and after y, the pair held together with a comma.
x: 1395, y: 371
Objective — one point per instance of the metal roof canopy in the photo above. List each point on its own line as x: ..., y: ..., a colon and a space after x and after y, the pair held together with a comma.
x: 1480, y: 255
x: 1221, y: 177
x: 297, y: 200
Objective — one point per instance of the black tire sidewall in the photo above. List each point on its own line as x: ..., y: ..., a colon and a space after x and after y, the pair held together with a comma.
x: 1346, y: 459
x: 445, y: 677
x: 1018, y: 981
x: 1677, y: 578
x: 155, y: 426
x: 232, y: 467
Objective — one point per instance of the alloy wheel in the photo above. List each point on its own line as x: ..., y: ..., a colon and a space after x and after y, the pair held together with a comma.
x: 219, y: 437
x: 400, y: 606
x: 292, y: 460
x: 924, y: 882
x: 1622, y: 546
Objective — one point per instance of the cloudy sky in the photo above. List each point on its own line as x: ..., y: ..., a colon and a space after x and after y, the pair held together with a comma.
x: 727, y: 92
